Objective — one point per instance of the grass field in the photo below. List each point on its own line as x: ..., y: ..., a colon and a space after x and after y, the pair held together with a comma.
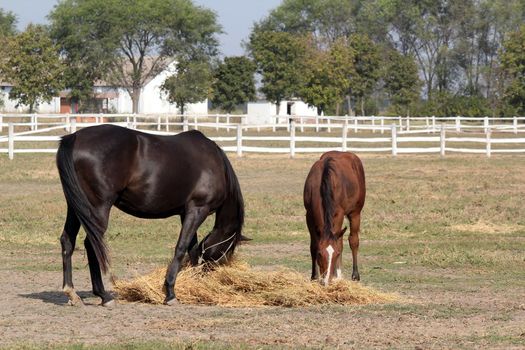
x: 447, y: 235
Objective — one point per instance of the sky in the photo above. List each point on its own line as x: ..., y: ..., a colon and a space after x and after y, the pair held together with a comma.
x: 236, y: 17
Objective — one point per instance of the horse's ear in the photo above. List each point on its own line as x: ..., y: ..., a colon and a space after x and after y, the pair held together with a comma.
x: 342, y: 232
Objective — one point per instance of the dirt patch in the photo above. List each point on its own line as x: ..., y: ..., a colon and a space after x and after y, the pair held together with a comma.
x: 487, y: 228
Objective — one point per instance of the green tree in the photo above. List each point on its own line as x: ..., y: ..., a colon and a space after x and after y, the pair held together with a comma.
x: 7, y: 29
x: 33, y: 66
x: 328, y: 76
x: 513, y: 62
x: 401, y: 81
x: 234, y: 83
x: 367, y: 63
x: 128, y: 42
x: 7, y: 23
x: 325, y: 20
x: 191, y: 84
x: 279, y: 60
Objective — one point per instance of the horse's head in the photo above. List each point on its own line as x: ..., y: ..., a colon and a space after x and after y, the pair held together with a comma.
x: 216, y: 248
x: 330, y: 248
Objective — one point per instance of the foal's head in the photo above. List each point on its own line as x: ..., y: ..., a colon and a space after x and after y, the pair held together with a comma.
x: 330, y: 248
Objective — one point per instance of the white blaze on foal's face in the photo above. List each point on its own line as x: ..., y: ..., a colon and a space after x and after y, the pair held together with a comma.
x: 330, y: 250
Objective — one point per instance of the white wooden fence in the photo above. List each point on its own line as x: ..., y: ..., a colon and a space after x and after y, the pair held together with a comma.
x: 397, y: 135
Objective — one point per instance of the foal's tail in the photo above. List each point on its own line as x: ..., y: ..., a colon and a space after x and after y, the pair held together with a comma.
x: 234, y: 202
x: 77, y: 200
x: 327, y: 194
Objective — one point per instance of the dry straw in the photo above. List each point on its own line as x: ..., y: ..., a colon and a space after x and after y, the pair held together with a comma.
x: 237, y: 285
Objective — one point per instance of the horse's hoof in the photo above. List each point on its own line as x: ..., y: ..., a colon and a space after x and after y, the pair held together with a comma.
x: 73, y: 298
x: 110, y: 304
x: 77, y: 302
x: 356, y: 278
x: 171, y: 302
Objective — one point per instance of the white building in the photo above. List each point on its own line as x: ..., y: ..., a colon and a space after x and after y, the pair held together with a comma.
x: 111, y: 99
x: 264, y: 112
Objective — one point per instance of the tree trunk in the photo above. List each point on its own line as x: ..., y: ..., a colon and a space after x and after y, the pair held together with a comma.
x: 349, y: 103
x: 278, y: 106
x: 362, y: 106
x: 135, y: 98
x: 337, y: 107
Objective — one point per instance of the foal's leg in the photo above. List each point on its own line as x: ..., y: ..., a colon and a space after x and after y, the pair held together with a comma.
x: 313, y: 248
x: 194, y: 217
x: 94, y: 266
x: 67, y: 241
x: 353, y: 239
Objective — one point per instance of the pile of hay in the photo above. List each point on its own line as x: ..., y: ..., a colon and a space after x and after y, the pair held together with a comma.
x: 237, y: 285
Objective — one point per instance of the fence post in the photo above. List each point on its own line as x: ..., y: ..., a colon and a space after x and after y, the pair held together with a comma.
x: 217, y: 122
x: 442, y: 141
x: 302, y: 123
x: 458, y: 123
x: 486, y: 124
x: 355, y: 124
x: 382, y: 125
x: 239, y: 140
x: 73, y: 125
x: 1, y: 122
x: 488, y: 143
x: 408, y: 123
x: 316, y: 123
x: 345, y: 134
x: 427, y: 124
x: 35, y: 116
x: 167, y: 122
x: 329, y: 123
x: 514, y: 123
x: 228, y: 122
x: 134, y: 121
x: 158, y: 122
x: 68, y: 123
x: 184, y: 123
x: 11, y: 140
x: 394, y: 140
x: 195, y: 124
x: 433, y: 124
x: 373, y: 124
x: 292, y: 138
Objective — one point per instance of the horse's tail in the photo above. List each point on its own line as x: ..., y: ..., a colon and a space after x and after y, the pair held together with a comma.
x: 326, y: 195
x: 77, y: 200
x: 234, y: 199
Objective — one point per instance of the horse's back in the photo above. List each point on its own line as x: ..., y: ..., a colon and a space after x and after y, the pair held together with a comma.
x: 348, y: 182
x: 143, y: 174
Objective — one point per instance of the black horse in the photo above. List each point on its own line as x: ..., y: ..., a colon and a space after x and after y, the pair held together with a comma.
x: 152, y: 177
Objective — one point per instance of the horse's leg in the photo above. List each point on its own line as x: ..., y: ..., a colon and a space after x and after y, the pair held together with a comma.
x: 94, y: 266
x: 194, y: 217
x: 313, y: 253
x: 338, y: 269
x: 96, y: 276
x: 67, y: 241
x: 353, y: 239
x: 313, y: 247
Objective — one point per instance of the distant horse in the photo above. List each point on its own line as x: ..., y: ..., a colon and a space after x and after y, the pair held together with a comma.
x: 151, y: 177
x: 334, y: 188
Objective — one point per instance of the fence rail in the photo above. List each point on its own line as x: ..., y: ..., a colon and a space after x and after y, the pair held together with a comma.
x: 397, y: 135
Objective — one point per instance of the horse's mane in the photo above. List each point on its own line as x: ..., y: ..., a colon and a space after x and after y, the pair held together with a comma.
x: 327, y: 196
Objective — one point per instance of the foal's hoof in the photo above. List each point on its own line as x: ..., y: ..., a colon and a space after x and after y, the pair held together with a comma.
x: 110, y: 304
x: 356, y: 278
x: 171, y: 302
